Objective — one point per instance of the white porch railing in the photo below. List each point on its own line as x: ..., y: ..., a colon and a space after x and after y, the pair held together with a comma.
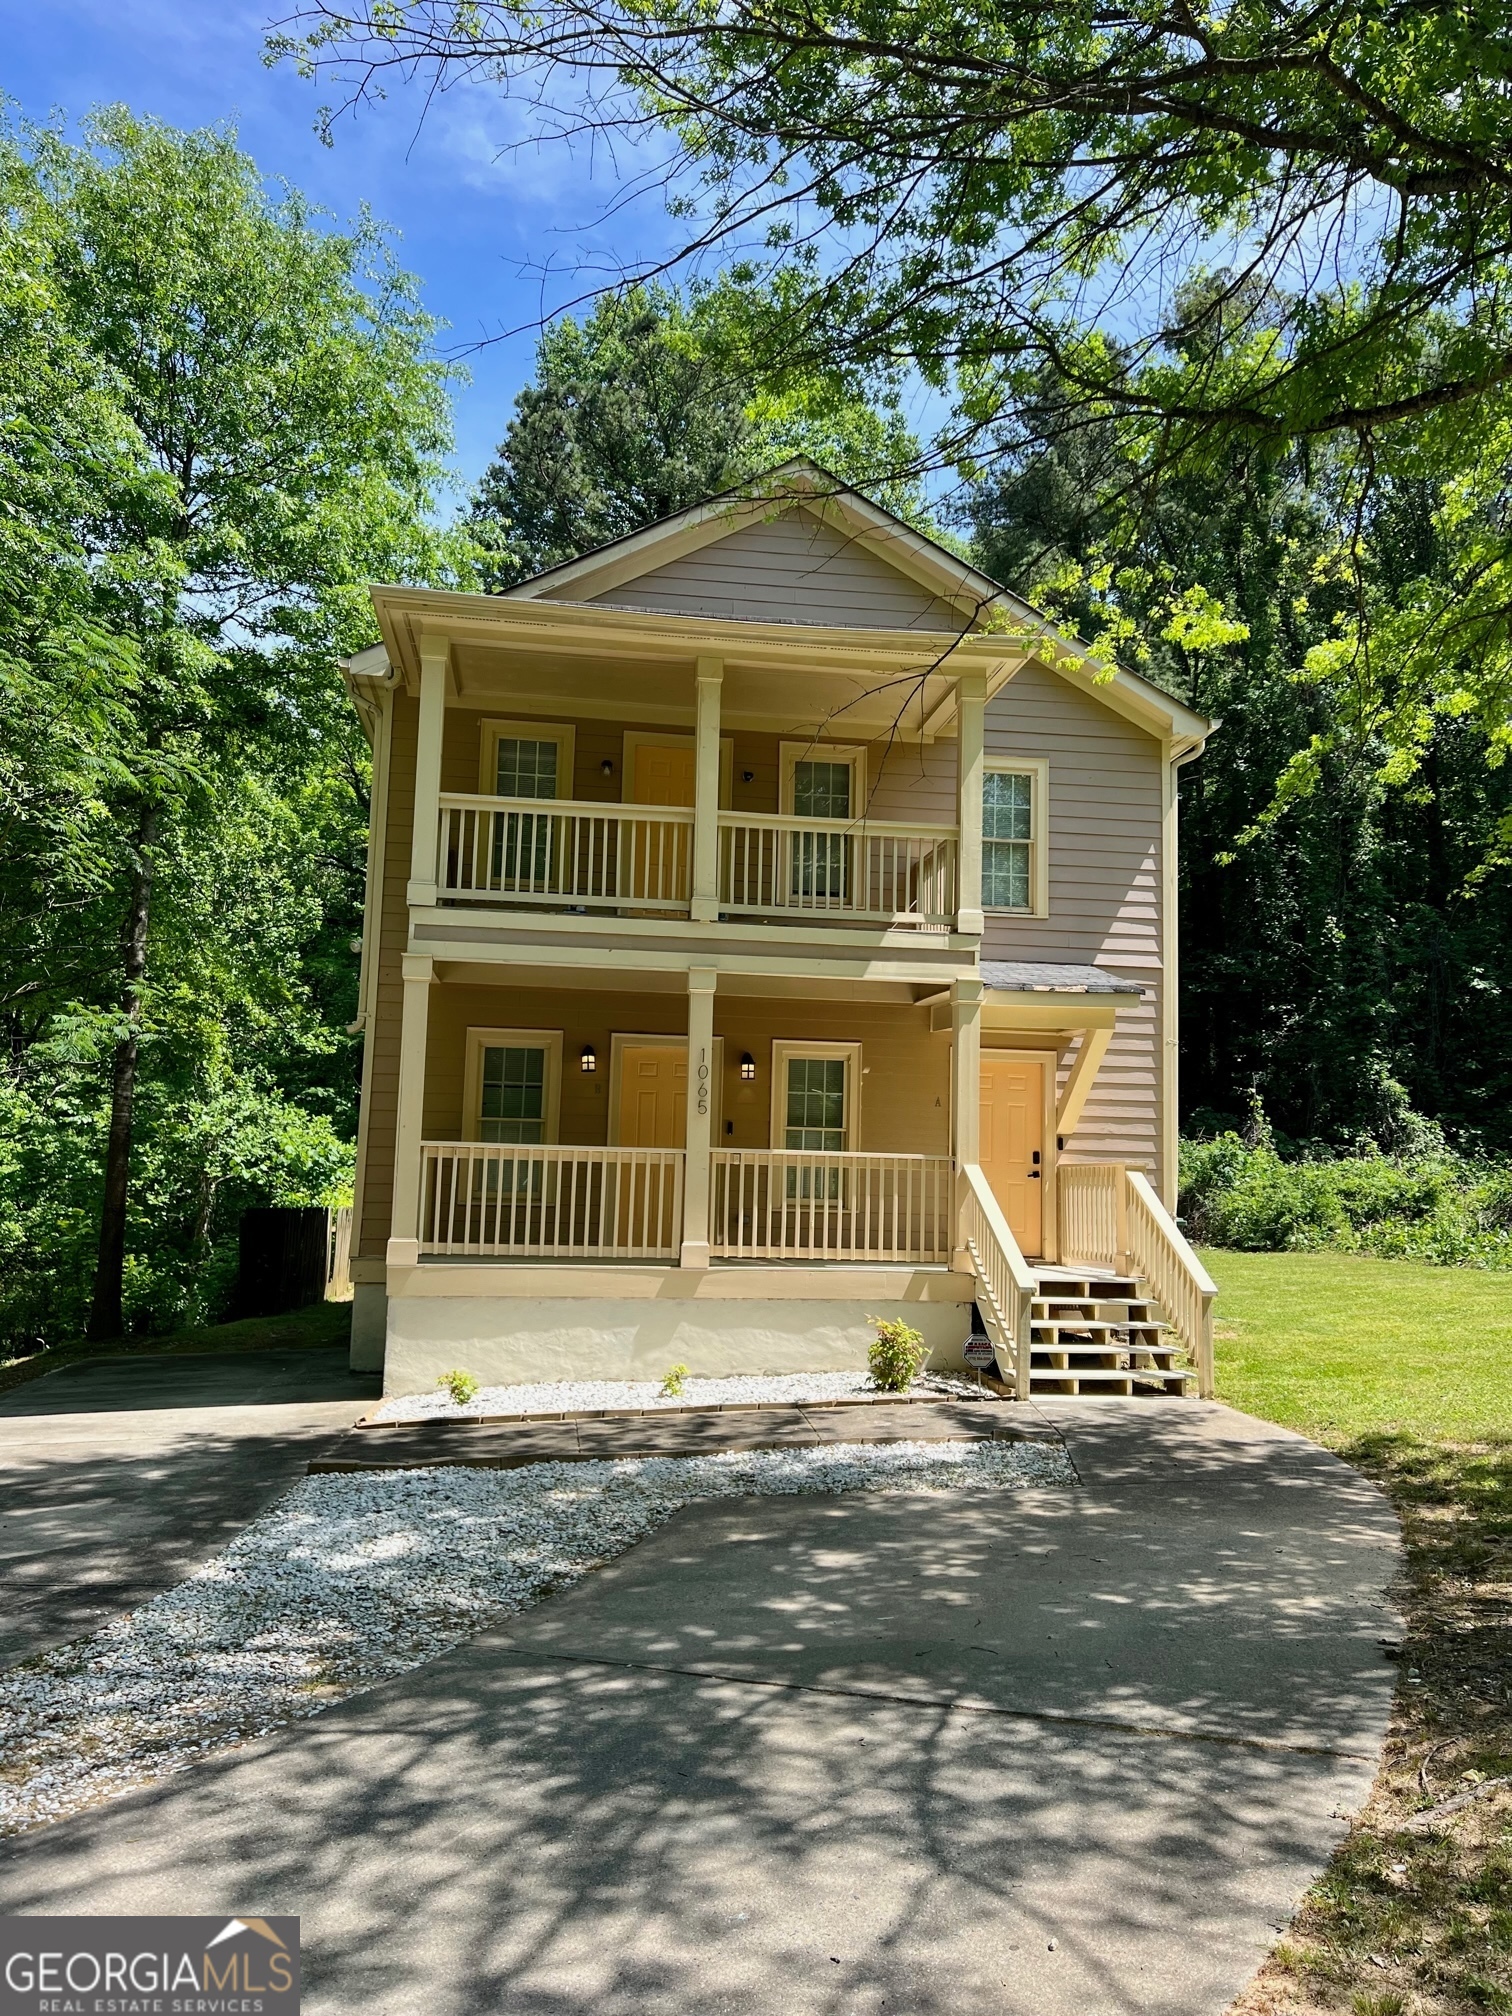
x: 790, y: 1204
x: 1111, y: 1217
x: 565, y: 851
x: 501, y: 1201
x: 864, y: 870
x: 1005, y: 1281
x: 1093, y: 1204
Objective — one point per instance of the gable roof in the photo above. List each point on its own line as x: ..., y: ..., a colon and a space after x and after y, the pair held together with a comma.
x: 796, y: 484
x: 802, y: 484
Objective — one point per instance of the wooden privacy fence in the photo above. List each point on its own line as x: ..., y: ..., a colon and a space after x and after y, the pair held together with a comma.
x: 1111, y: 1217
x: 561, y: 851
x: 791, y: 1204
x: 499, y: 1200
x: 291, y: 1255
x: 882, y: 872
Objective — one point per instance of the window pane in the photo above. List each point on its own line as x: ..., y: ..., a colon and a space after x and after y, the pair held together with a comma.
x: 815, y: 1103
x: 514, y: 1095
x: 822, y: 790
x: 1005, y: 874
x: 1007, y: 805
x: 527, y: 769
x: 821, y: 860
x: 1007, y: 832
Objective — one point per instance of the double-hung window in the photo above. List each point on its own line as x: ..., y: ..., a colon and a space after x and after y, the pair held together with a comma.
x: 815, y: 1104
x: 524, y: 759
x: 821, y: 785
x: 513, y: 1104
x: 1013, y: 854
x: 513, y: 1094
x: 814, y: 1113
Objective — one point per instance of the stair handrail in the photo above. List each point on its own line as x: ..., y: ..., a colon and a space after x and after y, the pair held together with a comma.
x: 1006, y: 1280
x: 1159, y: 1251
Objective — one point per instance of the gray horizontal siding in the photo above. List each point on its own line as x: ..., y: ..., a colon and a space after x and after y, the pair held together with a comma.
x: 792, y: 569
x: 1105, y: 890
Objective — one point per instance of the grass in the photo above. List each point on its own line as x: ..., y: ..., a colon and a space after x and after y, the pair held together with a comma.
x: 321, y: 1323
x: 1406, y: 1371
x: 1342, y: 1346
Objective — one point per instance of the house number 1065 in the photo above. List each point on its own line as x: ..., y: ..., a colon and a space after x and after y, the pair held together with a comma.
x: 703, y: 1081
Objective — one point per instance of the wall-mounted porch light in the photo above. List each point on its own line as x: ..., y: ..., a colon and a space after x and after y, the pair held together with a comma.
x: 588, y: 1061
x: 747, y: 1066
x: 607, y: 766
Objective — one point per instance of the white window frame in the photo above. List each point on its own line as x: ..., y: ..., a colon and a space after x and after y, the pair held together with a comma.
x: 491, y: 733
x: 635, y: 737
x: 791, y: 754
x: 783, y: 1054
x: 479, y: 1040
x: 1037, y: 770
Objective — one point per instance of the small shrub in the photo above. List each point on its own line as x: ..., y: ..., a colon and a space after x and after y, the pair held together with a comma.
x: 896, y: 1353
x: 460, y: 1385
x: 673, y: 1384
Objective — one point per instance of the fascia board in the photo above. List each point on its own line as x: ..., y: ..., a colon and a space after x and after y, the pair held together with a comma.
x: 405, y: 614
x: 951, y: 579
x: 641, y: 552
x: 1135, y: 699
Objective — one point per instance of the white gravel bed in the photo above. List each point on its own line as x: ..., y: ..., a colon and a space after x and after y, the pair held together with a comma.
x: 353, y: 1578
x: 586, y: 1396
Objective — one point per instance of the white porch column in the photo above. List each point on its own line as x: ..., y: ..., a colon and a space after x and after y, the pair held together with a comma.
x: 706, y: 793
x: 434, y: 658
x: 702, y: 981
x: 409, y: 1131
x: 971, y: 705
x: 965, y: 1092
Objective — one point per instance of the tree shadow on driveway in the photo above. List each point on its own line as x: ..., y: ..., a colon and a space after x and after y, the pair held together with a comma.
x: 863, y: 1754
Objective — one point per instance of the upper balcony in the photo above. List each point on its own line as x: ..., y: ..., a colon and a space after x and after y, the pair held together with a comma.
x: 573, y: 764
x: 626, y: 860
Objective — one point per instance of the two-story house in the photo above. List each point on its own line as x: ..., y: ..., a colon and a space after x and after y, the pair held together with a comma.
x: 770, y: 926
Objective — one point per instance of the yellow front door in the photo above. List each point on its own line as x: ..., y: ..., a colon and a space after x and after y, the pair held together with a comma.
x: 653, y: 1095
x: 664, y: 773
x: 1013, y: 1143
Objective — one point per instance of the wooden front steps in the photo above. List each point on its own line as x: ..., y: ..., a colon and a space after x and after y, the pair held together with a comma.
x: 1098, y: 1333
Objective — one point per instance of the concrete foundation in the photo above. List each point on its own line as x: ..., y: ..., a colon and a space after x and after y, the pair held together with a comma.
x: 369, y: 1326
x: 508, y: 1340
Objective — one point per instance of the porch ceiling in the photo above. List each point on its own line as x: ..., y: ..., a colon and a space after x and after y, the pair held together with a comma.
x: 614, y: 663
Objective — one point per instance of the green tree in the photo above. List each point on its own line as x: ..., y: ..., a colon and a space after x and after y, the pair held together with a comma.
x: 634, y: 414
x: 1343, y: 965
x: 284, y: 419
x: 626, y: 422
x: 979, y: 193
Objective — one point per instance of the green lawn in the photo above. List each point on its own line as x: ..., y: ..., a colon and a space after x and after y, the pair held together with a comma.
x: 1341, y: 1347
x: 1406, y: 1370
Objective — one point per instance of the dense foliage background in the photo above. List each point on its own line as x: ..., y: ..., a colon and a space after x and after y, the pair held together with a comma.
x: 221, y: 415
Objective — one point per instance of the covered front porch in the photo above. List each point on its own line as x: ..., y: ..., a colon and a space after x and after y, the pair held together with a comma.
x: 686, y: 1118
x: 768, y: 1159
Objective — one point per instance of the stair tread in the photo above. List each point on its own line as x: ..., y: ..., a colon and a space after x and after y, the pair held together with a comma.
x: 1044, y: 1306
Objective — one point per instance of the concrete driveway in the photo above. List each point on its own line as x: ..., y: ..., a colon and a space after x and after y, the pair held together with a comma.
x: 1058, y: 1751
x: 119, y: 1475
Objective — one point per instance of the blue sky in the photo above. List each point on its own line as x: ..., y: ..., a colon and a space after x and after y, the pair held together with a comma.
x: 495, y: 236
